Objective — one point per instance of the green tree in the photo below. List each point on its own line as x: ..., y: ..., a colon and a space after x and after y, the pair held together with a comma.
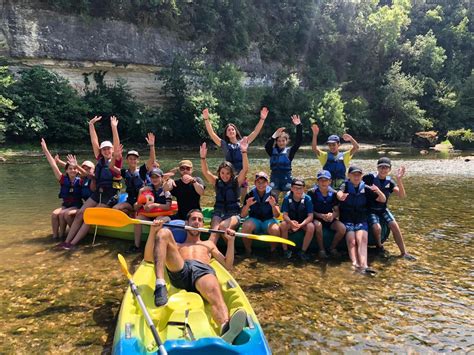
x: 47, y: 106
x: 6, y: 104
x: 400, y: 112
x: 329, y: 113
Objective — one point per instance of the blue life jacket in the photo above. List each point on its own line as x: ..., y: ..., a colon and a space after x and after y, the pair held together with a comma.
x: 261, y: 210
x: 354, y: 208
x: 158, y: 195
x: 103, y: 175
x: 297, y: 210
x: 227, y: 196
x: 133, y: 183
x: 86, y: 188
x: 71, y: 191
x: 335, y: 165
x: 280, y: 162
x: 384, y: 186
x: 323, y: 204
x: 234, y: 156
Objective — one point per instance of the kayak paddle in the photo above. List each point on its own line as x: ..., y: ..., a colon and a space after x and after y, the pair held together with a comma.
x: 115, y: 218
x: 136, y: 293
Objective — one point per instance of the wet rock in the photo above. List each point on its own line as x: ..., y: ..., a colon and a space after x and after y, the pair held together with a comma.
x: 424, y: 139
x: 424, y: 152
x: 393, y: 152
x: 3, y: 159
x: 442, y: 147
x: 381, y: 152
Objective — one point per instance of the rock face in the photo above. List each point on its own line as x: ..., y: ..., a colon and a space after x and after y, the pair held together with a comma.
x: 73, y: 45
x: 424, y: 139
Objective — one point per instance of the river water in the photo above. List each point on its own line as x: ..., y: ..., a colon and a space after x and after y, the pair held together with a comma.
x: 56, y: 301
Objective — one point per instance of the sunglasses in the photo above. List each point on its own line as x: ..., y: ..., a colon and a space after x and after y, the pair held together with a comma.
x: 183, y: 168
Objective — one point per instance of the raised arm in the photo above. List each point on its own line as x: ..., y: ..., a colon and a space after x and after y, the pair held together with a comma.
x: 150, y: 139
x: 400, y: 188
x: 299, y: 136
x: 116, y: 156
x: 215, y: 138
x: 228, y: 260
x: 244, y: 145
x: 71, y: 160
x: 258, y: 127
x: 58, y: 161
x: 355, y: 145
x: 94, y: 137
x: 314, y: 141
x: 204, y: 168
x: 51, y: 160
x: 271, y: 140
x: 115, y: 135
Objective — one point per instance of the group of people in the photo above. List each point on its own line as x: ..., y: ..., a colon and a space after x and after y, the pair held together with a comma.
x: 346, y: 204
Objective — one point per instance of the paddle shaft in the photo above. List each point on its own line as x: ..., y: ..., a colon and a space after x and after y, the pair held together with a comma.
x: 148, y: 319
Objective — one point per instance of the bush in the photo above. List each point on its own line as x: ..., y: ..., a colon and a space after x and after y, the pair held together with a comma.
x: 461, y: 138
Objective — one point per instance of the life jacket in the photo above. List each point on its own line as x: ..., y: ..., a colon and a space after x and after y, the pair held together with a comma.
x: 385, y: 188
x: 234, y: 156
x: 133, y: 183
x: 354, y: 208
x: 280, y: 162
x: 335, y: 165
x: 71, y: 191
x: 296, y: 210
x: 159, y: 195
x: 261, y: 210
x: 227, y: 196
x: 86, y: 188
x: 323, y: 204
x: 103, y: 175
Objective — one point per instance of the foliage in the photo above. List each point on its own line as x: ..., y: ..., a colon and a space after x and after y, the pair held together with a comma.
x: 329, y: 113
x: 6, y: 104
x: 461, y: 138
x: 46, y: 106
x: 399, y: 107
x: 358, y: 117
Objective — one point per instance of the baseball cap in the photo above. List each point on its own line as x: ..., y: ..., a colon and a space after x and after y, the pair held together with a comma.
x: 384, y: 161
x: 88, y: 163
x: 323, y: 174
x: 133, y: 152
x: 187, y: 163
x: 333, y: 139
x: 106, y: 144
x: 262, y: 175
x: 156, y: 171
x: 355, y: 169
x: 297, y: 182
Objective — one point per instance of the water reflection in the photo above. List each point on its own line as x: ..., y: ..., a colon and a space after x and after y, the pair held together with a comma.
x: 56, y: 301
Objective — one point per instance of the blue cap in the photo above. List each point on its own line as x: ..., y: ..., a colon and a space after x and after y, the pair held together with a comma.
x: 156, y: 171
x: 323, y: 174
x: 333, y: 139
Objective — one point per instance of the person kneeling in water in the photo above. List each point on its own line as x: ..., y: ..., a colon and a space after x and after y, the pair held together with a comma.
x: 188, y: 268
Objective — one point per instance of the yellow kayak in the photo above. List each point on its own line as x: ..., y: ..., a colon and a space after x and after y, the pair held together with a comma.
x: 184, y: 324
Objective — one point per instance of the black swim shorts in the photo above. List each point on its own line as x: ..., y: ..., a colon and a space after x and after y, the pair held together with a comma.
x: 186, y: 278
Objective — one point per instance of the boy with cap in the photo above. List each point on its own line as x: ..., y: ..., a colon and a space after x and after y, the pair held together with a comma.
x: 326, y: 213
x: 379, y: 210
x: 354, y: 197
x: 262, y: 208
x: 187, y: 190
x: 297, y: 211
x: 334, y: 161
x: 162, y: 200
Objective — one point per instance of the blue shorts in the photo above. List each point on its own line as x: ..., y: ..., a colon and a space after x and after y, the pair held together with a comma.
x: 261, y: 227
x: 280, y: 182
x: 386, y: 215
x: 225, y: 215
x: 354, y: 227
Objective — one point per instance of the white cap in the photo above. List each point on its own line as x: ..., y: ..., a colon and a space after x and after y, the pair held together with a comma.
x: 106, y: 144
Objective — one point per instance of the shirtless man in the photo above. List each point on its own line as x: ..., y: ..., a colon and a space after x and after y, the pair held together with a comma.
x: 188, y: 268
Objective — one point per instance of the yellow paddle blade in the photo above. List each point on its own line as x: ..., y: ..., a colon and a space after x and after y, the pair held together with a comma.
x: 269, y: 238
x: 107, y: 217
x: 123, y: 265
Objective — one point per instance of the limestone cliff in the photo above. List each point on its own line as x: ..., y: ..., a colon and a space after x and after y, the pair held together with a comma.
x: 73, y: 45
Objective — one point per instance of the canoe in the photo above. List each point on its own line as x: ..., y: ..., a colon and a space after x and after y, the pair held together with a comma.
x: 200, y: 336
x: 126, y: 233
